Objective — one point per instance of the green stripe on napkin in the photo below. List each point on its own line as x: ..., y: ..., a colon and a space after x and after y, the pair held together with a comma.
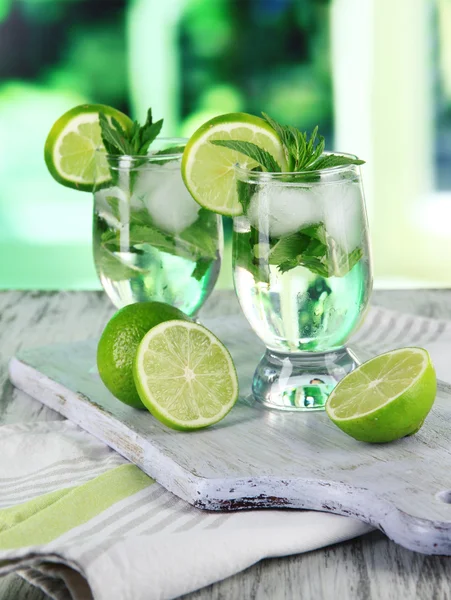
x: 46, y: 517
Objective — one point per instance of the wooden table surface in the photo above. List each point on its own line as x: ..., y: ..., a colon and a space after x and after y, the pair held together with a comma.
x: 370, y: 567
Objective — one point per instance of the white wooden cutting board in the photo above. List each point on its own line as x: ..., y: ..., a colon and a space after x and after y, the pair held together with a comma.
x: 261, y: 458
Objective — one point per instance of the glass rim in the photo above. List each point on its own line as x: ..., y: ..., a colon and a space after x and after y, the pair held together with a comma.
x: 149, y: 157
x: 332, y: 172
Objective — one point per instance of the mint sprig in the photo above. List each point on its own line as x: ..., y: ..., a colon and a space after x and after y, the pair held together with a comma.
x: 303, y: 152
x: 306, y: 153
x: 136, y: 142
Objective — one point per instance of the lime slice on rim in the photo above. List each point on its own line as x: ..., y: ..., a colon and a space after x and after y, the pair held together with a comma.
x: 386, y: 398
x: 70, y: 147
x: 185, y: 376
x: 208, y: 170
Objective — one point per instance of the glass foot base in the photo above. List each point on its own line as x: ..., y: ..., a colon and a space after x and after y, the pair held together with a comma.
x: 300, y: 382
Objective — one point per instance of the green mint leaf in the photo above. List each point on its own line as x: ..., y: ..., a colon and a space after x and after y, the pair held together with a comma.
x: 113, y: 139
x: 201, y: 268
x: 149, y: 119
x: 288, y: 248
x: 120, y: 130
x: 244, y: 256
x: 170, y: 150
x: 135, y: 140
x: 317, y: 232
x: 334, y: 160
x: 146, y: 234
x: 283, y: 134
x: 148, y: 134
x: 262, y: 157
x: 141, y: 217
x: 298, y: 250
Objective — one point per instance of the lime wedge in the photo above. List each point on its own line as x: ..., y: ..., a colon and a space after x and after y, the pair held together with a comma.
x: 70, y: 147
x: 207, y: 169
x: 185, y: 376
x: 385, y: 398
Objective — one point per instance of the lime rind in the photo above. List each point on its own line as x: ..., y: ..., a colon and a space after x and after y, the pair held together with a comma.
x: 208, y: 170
x: 73, y: 141
x: 167, y: 372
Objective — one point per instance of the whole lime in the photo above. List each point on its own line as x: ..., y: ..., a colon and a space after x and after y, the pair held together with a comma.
x: 120, y: 340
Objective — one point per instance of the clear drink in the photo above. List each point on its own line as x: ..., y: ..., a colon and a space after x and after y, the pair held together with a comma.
x: 151, y: 240
x: 302, y: 274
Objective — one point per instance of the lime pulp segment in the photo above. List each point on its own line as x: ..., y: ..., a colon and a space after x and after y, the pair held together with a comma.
x: 185, y: 376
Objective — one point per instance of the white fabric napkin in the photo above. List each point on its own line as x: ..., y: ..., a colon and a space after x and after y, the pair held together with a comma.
x: 150, y: 544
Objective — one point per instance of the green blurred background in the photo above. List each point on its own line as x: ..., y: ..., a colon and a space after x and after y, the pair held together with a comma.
x: 193, y: 59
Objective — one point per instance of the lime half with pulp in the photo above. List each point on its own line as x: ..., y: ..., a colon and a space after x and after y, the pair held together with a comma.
x: 386, y: 398
x: 120, y: 340
x: 208, y: 170
x: 71, y: 144
x: 185, y: 376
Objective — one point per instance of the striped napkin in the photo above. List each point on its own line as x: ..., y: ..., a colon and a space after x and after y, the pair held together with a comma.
x: 80, y: 522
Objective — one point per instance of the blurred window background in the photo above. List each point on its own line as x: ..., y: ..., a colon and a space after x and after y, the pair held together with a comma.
x: 374, y: 74
x: 441, y: 40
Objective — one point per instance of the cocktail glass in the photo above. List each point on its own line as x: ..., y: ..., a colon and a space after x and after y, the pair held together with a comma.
x: 151, y: 240
x: 302, y: 273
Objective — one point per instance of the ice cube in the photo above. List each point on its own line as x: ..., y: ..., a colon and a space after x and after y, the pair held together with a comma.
x: 281, y: 210
x: 147, y: 179
x: 343, y: 214
x: 169, y: 203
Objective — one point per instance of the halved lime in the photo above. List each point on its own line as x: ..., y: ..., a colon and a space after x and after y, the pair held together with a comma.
x: 185, y: 376
x: 207, y: 169
x: 70, y: 147
x: 385, y: 398
x: 120, y: 340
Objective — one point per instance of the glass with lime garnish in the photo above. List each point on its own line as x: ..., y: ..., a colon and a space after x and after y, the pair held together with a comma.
x: 302, y: 274
x: 151, y: 240
x: 302, y: 267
